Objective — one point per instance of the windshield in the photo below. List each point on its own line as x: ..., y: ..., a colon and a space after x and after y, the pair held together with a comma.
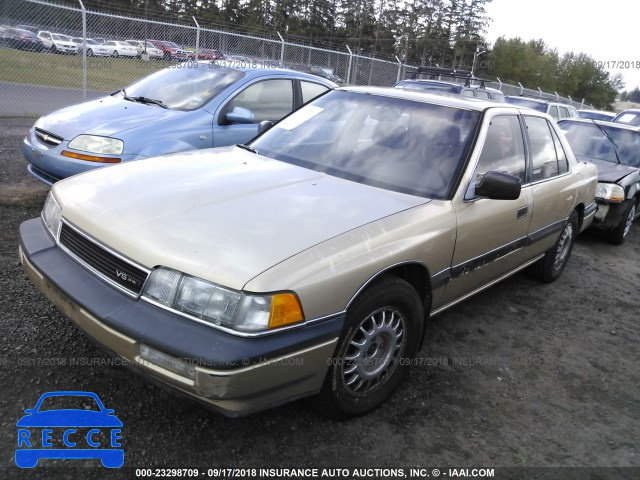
x: 430, y: 87
x: 630, y: 118
x: 401, y: 145
x: 62, y: 38
x: 523, y: 102
x: 185, y: 88
x: 587, y: 140
x: 69, y: 402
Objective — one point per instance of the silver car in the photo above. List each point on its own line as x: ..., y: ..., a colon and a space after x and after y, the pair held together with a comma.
x: 307, y: 262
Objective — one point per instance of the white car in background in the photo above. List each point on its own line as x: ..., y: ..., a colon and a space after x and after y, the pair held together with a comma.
x: 93, y: 47
x: 57, y: 43
x: 120, y: 49
x: 142, y: 46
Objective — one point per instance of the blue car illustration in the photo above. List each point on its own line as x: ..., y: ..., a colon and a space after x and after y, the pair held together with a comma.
x: 69, y: 425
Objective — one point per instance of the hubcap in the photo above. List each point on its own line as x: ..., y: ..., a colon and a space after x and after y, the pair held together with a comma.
x: 627, y: 227
x: 373, y: 350
x: 563, y: 246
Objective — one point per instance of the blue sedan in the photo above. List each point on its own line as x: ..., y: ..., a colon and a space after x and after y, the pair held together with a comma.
x: 188, y: 106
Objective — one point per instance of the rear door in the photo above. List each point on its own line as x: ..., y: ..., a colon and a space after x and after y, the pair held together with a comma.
x: 552, y: 183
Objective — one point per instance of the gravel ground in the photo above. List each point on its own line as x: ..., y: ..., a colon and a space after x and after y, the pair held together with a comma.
x: 536, y: 375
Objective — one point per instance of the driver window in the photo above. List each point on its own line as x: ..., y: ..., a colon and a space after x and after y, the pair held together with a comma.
x: 268, y: 100
x: 503, y: 149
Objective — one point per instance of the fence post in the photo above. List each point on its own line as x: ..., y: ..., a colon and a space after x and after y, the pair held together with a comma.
x: 570, y: 100
x: 582, y: 104
x: 197, y: 36
x: 557, y: 96
x: 500, y: 82
x: 84, y: 51
x: 399, y: 69
x: 281, y: 50
x: 540, y: 90
x: 521, y: 88
x: 349, y: 67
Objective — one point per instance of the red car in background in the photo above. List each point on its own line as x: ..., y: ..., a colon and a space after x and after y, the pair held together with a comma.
x: 171, y: 50
x: 208, y: 54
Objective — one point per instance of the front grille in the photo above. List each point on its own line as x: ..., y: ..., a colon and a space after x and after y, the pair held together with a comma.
x: 48, y: 139
x: 114, y: 268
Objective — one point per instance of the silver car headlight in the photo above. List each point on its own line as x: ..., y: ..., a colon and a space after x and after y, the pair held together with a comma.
x: 97, y: 144
x: 220, y: 306
x: 610, y: 192
x: 52, y: 215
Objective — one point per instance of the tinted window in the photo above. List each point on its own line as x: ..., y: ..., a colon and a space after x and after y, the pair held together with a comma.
x: 467, y: 93
x: 503, y: 149
x: 564, y: 112
x: 268, y: 100
x: 631, y: 118
x: 396, y: 144
x: 311, y: 90
x: 563, y: 163
x: 481, y: 94
x: 553, y: 111
x: 544, y: 162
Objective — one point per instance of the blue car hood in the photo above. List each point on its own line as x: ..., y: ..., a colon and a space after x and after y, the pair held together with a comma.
x: 106, y: 116
x: 69, y: 418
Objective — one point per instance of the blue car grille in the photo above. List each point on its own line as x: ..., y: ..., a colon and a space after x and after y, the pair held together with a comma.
x: 112, y: 267
x: 48, y: 139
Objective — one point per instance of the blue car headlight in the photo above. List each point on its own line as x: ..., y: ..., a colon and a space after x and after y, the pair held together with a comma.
x: 97, y: 144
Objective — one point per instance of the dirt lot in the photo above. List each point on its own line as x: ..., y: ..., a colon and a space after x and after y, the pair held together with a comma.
x: 535, y: 375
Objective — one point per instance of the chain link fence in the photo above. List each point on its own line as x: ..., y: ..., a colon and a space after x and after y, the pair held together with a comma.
x: 72, y: 54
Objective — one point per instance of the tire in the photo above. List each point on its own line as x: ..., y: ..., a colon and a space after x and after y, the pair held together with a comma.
x: 89, y: 53
x: 380, y: 337
x: 115, y: 53
x: 620, y: 232
x: 550, y: 267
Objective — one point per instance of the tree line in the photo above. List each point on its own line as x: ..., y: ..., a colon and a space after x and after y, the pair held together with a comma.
x: 447, y: 33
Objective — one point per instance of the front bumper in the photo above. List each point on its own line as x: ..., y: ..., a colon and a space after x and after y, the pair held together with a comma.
x: 47, y: 165
x: 234, y: 375
x: 609, y: 215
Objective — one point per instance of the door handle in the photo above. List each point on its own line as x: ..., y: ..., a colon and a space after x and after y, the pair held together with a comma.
x: 522, y: 212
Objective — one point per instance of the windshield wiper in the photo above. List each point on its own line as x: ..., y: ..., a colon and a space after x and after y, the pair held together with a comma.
x: 615, y: 145
x: 142, y: 99
x: 246, y: 147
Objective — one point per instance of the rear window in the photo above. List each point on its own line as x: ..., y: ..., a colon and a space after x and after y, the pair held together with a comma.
x: 523, y: 102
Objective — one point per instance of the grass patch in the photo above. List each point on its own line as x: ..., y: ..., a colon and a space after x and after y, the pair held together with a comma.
x: 103, y: 73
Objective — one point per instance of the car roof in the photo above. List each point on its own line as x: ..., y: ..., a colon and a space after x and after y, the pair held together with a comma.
x: 467, y: 103
x: 621, y: 126
x: 629, y: 110
x: 540, y: 100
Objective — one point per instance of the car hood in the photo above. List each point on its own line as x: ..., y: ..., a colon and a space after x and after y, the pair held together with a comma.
x: 69, y: 418
x: 224, y: 215
x: 609, y: 172
x: 106, y: 116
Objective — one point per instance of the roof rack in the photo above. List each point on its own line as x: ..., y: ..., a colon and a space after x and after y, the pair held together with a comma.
x: 433, y: 72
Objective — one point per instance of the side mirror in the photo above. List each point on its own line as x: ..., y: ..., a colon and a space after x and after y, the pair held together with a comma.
x: 239, y: 115
x: 109, y: 411
x: 499, y: 186
x: 264, y: 125
x: 29, y: 411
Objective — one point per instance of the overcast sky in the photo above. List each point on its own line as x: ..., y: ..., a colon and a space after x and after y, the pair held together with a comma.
x: 607, y: 31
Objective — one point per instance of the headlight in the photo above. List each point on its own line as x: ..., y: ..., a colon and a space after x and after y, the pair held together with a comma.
x: 220, y: 306
x: 52, y: 215
x: 96, y: 144
x: 610, y: 192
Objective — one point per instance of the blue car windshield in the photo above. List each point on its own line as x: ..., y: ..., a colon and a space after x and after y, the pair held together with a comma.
x: 587, y: 140
x: 402, y: 145
x: 185, y: 86
x: 69, y: 402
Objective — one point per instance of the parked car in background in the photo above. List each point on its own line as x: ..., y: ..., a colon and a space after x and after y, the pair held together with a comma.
x: 327, y: 73
x: 615, y: 150
x: 93, y: 48
x: 120, y: 49
x: 210, y: 54
x: 21, y: 39
x: 309, y: 261
x: 173, y: 110
x: 556, y: 110
x: 433, y: 83
x: 31, y: 28
x: 170, y: 50
x: 143, y: 47
x: 629, y: 117
x: 58, y: 43
x: 596, y: 114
